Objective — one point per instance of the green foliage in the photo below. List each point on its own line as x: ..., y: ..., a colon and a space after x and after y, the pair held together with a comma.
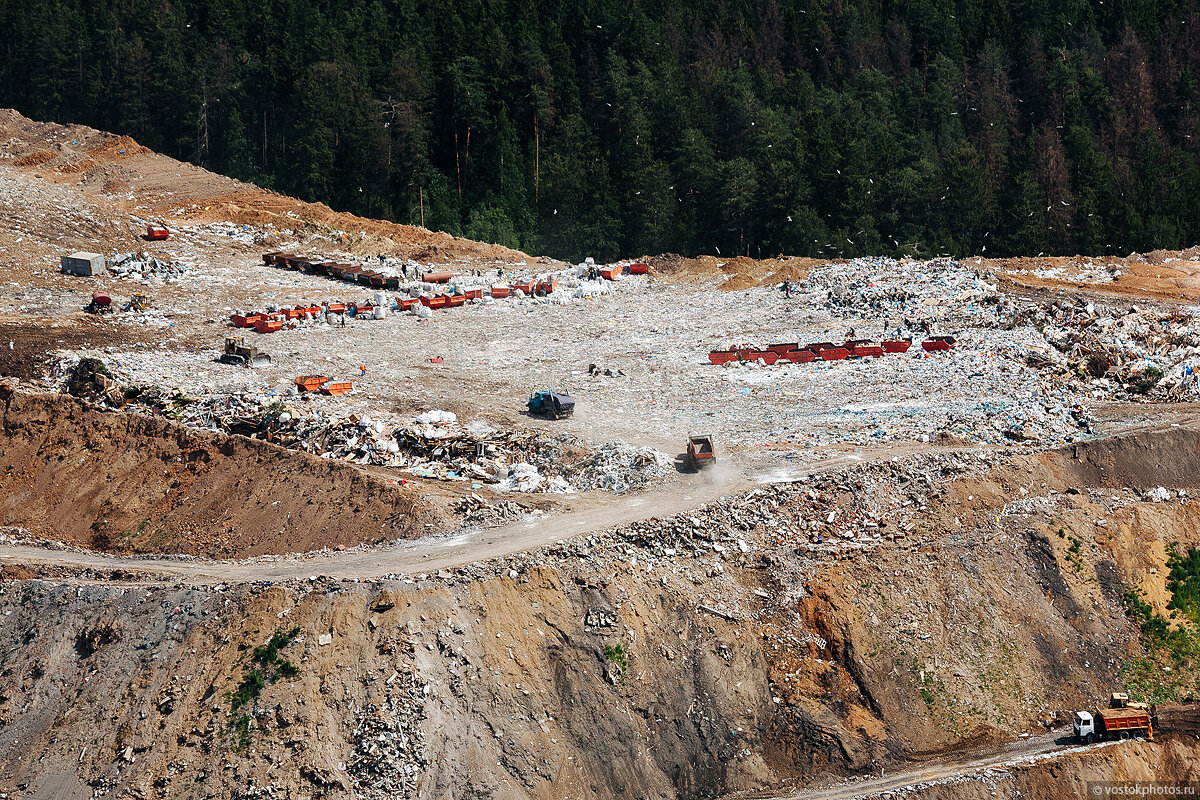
x: 266, y: 667
x: 1147, y: 379
x: 1167, y: 671
x: 623, y: 129
x: 1183, y: 581
x: 616, y: 654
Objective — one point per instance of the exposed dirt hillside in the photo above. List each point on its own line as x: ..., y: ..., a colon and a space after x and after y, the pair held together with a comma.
x: 127, y: 178
x: 132, y: 483
x: 611, y: 671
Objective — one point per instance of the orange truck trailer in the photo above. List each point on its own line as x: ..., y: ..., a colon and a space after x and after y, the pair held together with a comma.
x: 1112, y: 723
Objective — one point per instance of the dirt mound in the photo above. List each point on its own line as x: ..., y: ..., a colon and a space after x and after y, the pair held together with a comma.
x: 1141, y: 460
x: 736, y: 273
x: 128, y: 483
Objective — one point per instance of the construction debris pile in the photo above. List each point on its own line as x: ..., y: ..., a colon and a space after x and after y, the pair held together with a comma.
x: 142, y: 266
x: 389, y: 749
x: 619, y: 467
x: 864, y: 506
x: 474, y: 510
x: 1119, y: 353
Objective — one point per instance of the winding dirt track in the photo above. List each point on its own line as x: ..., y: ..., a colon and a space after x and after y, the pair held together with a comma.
x: 430, y: 553
x: 962, y: 764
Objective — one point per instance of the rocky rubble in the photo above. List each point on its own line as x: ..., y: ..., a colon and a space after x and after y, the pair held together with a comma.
x: 143, y: 266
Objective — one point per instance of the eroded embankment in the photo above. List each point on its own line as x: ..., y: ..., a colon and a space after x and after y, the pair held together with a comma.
x: 129, y: 483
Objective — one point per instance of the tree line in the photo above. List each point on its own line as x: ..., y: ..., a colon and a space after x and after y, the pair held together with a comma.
x: 621, y: 127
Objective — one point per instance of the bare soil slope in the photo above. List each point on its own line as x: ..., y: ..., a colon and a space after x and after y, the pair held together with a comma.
x: 127, y: 177
x: 130, y: 483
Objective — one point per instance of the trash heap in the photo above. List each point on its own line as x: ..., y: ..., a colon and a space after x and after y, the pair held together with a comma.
x: 941, y: 290
x: 1119, y: 353
x: 141, y: 266
x: 619, y: 467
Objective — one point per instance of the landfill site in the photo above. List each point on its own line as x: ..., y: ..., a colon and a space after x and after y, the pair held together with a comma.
x: 298, y: 504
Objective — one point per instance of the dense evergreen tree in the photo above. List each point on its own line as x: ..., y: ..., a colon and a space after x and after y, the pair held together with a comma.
x: 621, y: 127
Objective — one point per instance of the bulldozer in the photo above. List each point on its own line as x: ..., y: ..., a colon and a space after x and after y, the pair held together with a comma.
x: 238, y: 352
x: 139, y: 302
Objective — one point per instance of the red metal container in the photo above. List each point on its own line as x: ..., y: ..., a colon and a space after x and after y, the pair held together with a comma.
x: 897, y: 345
x: 407, y: 303
x: 611, y: 273
x: 157, y: 233
x: 527, y: 288
x: 833, y: 354
x: 336, y: 387
x: 337, y: 308
x: 499, y: 291
x: 638, y: 268
x: 474, y: 294
x: 937, y: 343
x: 867, y: 351
x: 798, y: 356
x: 246, y: 321
x: 546, y: 287
x: 264, y: 325
x: 765, y: 356
x: 723, y: 356
x: 437, y: 301
x: 455, y: 300
x: 783, y: 348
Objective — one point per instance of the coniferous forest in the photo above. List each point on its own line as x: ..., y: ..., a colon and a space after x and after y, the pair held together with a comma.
x: 621, y: 127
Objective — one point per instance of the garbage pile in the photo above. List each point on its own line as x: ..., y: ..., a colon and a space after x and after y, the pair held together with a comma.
x: 941, y: 290
x: 1119, y: 353
x: 619, y: 467
x: 141, y: 266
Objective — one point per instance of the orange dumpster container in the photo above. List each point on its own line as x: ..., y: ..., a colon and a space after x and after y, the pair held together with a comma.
x: 499, y: 291
x: 266, y: 325
x: 157, y: 232
x: 436, y: 301
x: 310, y: 383
x: 455, y: 300
x: 611, y: 273
x: 527, y: 288
x: 336, y: 387
x: 474, y: 294
x: 246, y: 320
x: 897, y: 345
x: 638, y: 268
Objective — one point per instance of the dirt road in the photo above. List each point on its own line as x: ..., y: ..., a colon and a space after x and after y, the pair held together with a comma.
x: 441, y: 551
x: 961, y: 765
